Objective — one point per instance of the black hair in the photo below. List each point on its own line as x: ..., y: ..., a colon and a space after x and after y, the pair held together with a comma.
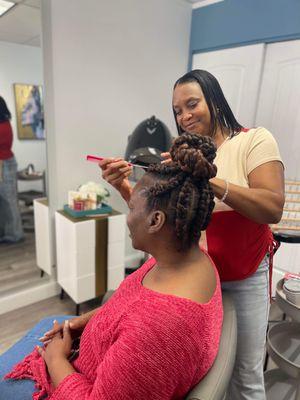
x: 220, y: 112
x: 181, y: 189
x: 5, y: 114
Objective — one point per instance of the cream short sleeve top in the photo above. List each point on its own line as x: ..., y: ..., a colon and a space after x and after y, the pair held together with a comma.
x: 241, y: 154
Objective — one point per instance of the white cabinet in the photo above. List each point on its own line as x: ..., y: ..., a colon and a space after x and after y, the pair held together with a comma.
x: 278, y: 110
x: 90, y: 254
x: 43, y: 247
x: 278, y: 107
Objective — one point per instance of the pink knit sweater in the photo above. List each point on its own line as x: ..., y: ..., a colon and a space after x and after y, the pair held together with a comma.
x: 140, y: 345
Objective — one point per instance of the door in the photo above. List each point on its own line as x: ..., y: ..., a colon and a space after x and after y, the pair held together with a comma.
x: 278, y: 110
x: 238, y: 71
x: 279, y: 100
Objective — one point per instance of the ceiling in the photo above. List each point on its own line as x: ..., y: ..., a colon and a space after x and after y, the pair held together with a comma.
x: 22, y: 23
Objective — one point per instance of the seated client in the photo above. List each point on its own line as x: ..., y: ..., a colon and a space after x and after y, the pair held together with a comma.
x: 158, y: 335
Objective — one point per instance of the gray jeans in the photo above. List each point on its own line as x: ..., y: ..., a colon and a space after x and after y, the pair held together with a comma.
x: 251, y: 299
x: 10, y: 221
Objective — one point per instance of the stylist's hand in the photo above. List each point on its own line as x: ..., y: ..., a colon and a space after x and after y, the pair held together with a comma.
x: 60, y: 346
x: 76, y: 326
x: 167, y: 158
x: 116, y: 172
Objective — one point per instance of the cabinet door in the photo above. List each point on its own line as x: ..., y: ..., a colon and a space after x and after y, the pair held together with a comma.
x: 238, y: 71
x: 278, y: 106
x: 75, y: 248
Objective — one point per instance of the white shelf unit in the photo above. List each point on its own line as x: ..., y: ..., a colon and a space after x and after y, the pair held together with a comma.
x: 90, y: 254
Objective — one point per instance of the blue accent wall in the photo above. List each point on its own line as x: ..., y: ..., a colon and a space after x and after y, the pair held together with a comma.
x: 232, y: 23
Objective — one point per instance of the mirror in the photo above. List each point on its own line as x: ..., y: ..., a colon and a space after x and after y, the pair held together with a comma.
x: 21, y: 83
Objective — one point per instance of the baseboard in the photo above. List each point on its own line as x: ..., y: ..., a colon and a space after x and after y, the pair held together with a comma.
x: 27, y: 296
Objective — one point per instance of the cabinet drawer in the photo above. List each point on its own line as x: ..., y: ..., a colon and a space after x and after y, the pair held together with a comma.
x: 115, y: 254
x: 116, y: 228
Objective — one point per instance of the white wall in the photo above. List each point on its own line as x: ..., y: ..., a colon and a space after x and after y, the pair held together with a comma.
x: 22, y: 64
x: 108, y: 66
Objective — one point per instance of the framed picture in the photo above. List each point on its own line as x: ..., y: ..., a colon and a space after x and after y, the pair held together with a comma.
x: 29, y: 111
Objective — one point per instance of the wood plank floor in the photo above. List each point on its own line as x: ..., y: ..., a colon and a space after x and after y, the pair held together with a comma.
x: 18, y: 265
x: 18, y: 270
x: 15, y: 324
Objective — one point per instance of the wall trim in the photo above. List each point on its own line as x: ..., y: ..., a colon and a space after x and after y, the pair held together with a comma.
x: 233, y: 23
x: 204, y: 3
x: 28, y: 296
x: 248, y: 43
x: 276, y: 39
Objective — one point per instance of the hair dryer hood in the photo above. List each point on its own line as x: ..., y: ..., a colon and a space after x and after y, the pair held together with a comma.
x: 148, y: 140
x: 145, y: 156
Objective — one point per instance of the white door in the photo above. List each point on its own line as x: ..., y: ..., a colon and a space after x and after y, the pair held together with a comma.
x: 279, y: 111
x: 279, y: 102
x: 238, y: 71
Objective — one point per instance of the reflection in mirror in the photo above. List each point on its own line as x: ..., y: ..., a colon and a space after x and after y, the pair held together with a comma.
x: 22, y: 146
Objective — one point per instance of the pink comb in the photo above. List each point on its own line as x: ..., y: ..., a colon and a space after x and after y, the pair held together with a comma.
x: 97, y: 159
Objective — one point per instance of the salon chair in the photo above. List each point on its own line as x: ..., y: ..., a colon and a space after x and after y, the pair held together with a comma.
x: 213, y: 386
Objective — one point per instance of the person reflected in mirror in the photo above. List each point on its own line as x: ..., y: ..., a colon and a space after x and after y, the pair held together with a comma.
x: 11, y: 230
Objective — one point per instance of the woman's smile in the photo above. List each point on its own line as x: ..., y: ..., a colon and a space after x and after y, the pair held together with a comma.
x: 191, y: 125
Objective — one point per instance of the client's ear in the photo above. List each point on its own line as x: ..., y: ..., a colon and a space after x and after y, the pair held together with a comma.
x: 157, y: 220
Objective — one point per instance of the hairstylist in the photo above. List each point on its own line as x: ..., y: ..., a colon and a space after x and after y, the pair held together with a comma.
x: 250, y: 188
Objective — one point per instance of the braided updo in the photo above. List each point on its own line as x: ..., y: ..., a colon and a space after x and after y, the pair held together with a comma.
x: 182, y: 188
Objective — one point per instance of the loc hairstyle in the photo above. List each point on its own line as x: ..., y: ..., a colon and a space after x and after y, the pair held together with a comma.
x: 182, y: 190
x: 5, y: 114
x: 220, y: 112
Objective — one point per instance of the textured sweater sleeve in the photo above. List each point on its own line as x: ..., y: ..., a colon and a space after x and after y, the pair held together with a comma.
x: 152, y: 357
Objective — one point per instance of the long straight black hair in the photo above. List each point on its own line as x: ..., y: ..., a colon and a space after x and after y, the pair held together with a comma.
x: 220, y: 112
x: 5, y: 114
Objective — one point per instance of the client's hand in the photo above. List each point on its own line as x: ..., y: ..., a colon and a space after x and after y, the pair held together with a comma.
x: 60, y: 346
x: 167, y: 158
x: 116, y: 172
x: 56, y: 354
x: 76, y: 326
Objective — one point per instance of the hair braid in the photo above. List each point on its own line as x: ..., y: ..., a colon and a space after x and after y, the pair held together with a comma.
x: 181, y: 189
x: 161, y: 188
x: 186, y: 209
x: 195, y: 155
x: 205, y: 206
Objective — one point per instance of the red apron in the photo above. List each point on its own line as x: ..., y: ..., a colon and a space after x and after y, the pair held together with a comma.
x: 237, y: 245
